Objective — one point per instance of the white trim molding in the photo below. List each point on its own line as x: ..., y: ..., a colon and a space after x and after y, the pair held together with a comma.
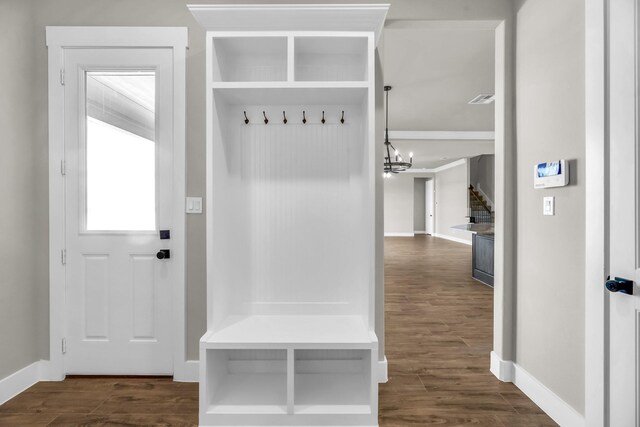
x: 442, y: 135
x: 190, y: 372
x: 438, y: 169
x: 453, y: 239
x: 596, y: 212
x: 559, y: 410
x: 383, y: 370
x: 450, y: 165
x: 503, y: 370
x: 57, y: 39
x: 399, y: 234
x: 19, y: 381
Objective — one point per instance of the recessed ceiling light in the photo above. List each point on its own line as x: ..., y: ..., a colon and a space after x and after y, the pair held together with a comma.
x: 482, y: 99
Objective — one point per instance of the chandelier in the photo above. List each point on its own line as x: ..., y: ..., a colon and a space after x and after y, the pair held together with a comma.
x: 397, y: 164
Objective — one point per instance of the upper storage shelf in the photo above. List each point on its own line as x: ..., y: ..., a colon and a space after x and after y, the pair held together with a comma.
x: 301, y: 58
x: 250, y: 59
x: 330, y: 58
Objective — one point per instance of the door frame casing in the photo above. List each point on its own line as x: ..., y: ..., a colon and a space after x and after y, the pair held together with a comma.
x: 430, y: 222
x: 58, y: 39
x: 596, y: 211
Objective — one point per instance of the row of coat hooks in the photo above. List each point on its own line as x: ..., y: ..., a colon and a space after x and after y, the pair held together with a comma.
x: 285, y: 120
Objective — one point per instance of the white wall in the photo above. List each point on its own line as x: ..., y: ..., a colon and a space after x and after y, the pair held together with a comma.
x: 398, y: 204
x: 452, y: 201
x: 20, y: 315
x: 550, y: 122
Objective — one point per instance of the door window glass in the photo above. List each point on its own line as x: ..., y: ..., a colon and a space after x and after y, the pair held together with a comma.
x: 120, y: 151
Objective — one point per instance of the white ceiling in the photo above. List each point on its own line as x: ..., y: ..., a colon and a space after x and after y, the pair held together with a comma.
x: 435, y: 71
x: 432, y: 154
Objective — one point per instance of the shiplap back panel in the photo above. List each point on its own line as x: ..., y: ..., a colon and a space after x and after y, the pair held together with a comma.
x: 299, y: 237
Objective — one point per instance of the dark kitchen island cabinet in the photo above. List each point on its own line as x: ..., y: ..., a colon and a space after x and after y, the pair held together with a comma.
x: 482, y: 265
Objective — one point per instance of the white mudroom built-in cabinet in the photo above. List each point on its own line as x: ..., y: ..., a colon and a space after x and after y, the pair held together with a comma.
x: 290, y: 206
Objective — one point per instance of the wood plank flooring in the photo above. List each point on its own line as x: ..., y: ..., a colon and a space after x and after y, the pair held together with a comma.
x: 438, y: 339
x: 439, y: 332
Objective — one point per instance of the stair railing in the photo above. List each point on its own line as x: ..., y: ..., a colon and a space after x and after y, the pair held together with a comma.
x: 480, y: 200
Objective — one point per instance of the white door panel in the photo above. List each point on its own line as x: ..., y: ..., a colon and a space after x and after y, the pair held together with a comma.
x: 118, y: 186
x: 429, y: 208
x: 623, y: 309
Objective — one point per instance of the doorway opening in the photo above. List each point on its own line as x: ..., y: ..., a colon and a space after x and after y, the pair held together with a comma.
x: 435, y: 116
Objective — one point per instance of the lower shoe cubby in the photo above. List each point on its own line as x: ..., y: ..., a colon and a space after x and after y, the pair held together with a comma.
x: 245, y: 381
x: 332, y: 382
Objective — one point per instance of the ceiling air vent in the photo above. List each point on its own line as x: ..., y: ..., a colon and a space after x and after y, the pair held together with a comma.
x: 482, y: 99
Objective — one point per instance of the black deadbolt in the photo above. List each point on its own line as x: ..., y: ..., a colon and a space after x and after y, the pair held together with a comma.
x: 163, y: 254
x: 165, y: 234
x: 618, y: 284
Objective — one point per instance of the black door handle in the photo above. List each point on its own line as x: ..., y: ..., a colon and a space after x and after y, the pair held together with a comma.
x: 163, y: 254
x: 618, y: 284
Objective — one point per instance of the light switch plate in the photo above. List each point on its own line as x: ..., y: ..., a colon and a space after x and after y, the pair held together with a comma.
x: 548, y: 206
x: 194, y: 205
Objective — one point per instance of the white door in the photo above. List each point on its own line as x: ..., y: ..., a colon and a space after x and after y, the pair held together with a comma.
x: 429, y: 206
x: 624, y: 309
x: 118, y: 190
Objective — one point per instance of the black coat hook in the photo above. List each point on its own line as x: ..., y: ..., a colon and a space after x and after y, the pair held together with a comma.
x: 284, y: 115
x: 265, y: 118
x: 323, y: 120
x: 304, y: 117
x: 246, y: 119
x: 342, y: 119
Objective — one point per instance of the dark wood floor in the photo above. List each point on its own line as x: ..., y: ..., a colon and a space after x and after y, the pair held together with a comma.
x: 438, y: 331
x: 438, y: 323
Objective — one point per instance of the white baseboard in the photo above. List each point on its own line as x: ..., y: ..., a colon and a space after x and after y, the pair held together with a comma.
x: 19, y: 381
x: 383, y: 370
x: 453, y: 239
x: 398, y: 234
x: 190, y: 372
x: 559, y: 410
x: 42, y: 370
x: 503, y: 370
x: 419, y: 232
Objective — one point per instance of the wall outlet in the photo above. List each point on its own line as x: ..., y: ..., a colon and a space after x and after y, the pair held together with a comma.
x: 548, y: 206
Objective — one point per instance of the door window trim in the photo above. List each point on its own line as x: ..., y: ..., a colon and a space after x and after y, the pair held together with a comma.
x: 58, y: 39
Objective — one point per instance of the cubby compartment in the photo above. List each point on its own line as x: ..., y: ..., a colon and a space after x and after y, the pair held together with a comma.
x: 249, y: 59
x: 246, y: 381
x: 331, y: 58
x: 332, y: 381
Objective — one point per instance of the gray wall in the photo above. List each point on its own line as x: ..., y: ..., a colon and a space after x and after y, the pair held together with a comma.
x: 20, y: 321
x: 419, y: 216
x: 399, y: 202
x: 482, y: 174
x: 550, y: 249
x: 23, y: 105
x: 452, y: 201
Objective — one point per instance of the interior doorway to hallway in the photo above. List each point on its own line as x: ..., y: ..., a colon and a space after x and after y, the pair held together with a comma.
x: 428, y: 121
